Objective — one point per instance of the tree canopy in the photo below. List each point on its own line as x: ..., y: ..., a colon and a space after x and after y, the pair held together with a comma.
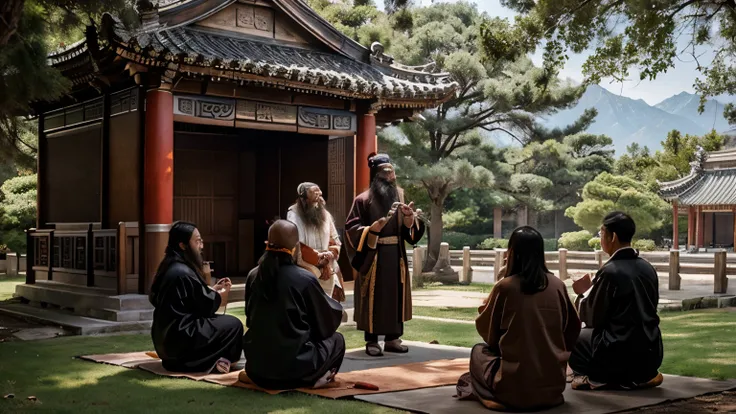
x: 17, y: 210
x: 669, y: 163
x: 29, y: 30
x: 640, y: 35
x: 608, y: 193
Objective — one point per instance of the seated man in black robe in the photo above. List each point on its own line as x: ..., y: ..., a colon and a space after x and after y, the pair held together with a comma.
x: 187, y: 334
x: 292, y: 339
x: 620, y: 345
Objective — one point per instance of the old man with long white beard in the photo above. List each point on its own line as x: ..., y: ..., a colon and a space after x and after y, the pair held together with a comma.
x: 319, y: 242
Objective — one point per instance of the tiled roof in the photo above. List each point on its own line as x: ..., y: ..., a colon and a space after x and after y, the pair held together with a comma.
x: 707, y: 188
x: 205, y: 48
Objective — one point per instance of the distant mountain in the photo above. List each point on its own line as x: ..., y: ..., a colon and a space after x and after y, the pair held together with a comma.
x: 686, y: 105
x: 628, y: 120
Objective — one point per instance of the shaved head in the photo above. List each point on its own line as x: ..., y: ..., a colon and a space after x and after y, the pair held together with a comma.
x: 283, y: 233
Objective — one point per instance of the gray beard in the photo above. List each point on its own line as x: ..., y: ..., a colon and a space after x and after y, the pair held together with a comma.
x: 384, y: 193
x: 314, y: 216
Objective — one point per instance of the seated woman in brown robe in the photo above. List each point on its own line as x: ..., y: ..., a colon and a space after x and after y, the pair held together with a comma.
x: 529, y: 326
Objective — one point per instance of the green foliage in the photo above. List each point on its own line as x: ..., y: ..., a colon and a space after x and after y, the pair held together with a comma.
x: 491, y: 243
x: 449, y: 149
x: 42, y: 26
x: 645, y: 245
x: 595, y: 243
x: 671, y: 162
x: 575, y: 241
x: 638, y: 35
x: 609, y: 192
x: 459, y: 240
x: 17, y: 210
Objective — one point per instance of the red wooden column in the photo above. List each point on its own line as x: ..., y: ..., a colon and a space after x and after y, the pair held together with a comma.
x: 675, y: 223
x: 690, y: 226
x: 699, y: 230
x: 365, y: 143
x: 158, y: 164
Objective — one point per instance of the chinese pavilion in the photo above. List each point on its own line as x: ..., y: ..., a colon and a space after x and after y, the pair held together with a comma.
x: 212, y: 112
x: 708, y: 197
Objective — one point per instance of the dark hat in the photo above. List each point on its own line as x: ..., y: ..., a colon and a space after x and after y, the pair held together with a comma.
x: 374, y: 160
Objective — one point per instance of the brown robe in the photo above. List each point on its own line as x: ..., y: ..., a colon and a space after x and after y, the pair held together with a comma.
x: 528, y: 340
x: 383, y: 284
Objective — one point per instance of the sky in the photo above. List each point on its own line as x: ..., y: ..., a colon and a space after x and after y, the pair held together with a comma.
x: 675, y: 80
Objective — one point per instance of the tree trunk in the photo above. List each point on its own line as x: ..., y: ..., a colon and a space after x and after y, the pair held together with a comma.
x: 10, y: 13
x: 435, y: 235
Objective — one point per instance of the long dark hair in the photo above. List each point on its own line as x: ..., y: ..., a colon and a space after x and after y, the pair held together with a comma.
x: 180, y: 232
x: 526, y: 259
x: 268, y: 271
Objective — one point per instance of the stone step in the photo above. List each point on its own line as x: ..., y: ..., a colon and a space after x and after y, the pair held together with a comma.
x: 77, y: 325
x: 120, y: 315
x: 69, y: 287
x: 65, y: 298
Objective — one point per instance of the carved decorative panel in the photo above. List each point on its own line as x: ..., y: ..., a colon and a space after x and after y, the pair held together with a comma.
x: 246, y: 17
x: 263, y: 19
x: 243, y: 18
x: 314, y: 120
x: 205, y: 107
x: 327, y: 119
x: 266, y: 112
x: 336, y: 180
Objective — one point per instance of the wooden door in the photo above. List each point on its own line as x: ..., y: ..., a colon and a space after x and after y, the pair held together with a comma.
x: 205, y: 193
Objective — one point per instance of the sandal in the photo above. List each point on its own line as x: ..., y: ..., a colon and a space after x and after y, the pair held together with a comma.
x: 373, y: 349
x: 222, y: 365
x: 395, y: 346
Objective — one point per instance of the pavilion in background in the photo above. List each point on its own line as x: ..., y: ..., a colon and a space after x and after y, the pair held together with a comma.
x: 211, y: 112
x: 708, y: 197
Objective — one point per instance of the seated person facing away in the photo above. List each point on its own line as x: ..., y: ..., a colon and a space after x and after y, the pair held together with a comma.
x: 292, y: 339
x: 621, y: 344
x: 529, y: 326
x: 187, y: 334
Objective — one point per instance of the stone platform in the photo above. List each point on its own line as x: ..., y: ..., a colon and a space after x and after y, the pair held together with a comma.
x: 74, y: 324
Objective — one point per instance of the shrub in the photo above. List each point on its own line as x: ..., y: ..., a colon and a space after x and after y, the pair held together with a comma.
x: 645, y: 245
x: 595, y: 243
x: 491, y: 243
x: 459, y: 240
x: 576, y: 241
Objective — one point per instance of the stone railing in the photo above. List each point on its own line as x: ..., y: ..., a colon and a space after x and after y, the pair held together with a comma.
x: 12, y: 264
x: 717, y: 263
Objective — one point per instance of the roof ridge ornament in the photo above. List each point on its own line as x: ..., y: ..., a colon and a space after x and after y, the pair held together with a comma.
x: 700, y: 157
x: 148, y: 13
x: 377, y: 51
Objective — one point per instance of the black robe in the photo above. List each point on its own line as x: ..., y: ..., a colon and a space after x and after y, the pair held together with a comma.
x: 292, y: 338
x: 383, y: 284
x: 187, y: 334
x: 621, y: 343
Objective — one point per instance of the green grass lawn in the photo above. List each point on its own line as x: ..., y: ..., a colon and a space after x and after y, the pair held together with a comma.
x: 697, y: 343
x: 464, y: 314
x: 7, y: 286
x: 48, y: 370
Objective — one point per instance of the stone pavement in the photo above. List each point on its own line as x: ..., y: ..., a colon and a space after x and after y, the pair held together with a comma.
x: 692, y: 287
